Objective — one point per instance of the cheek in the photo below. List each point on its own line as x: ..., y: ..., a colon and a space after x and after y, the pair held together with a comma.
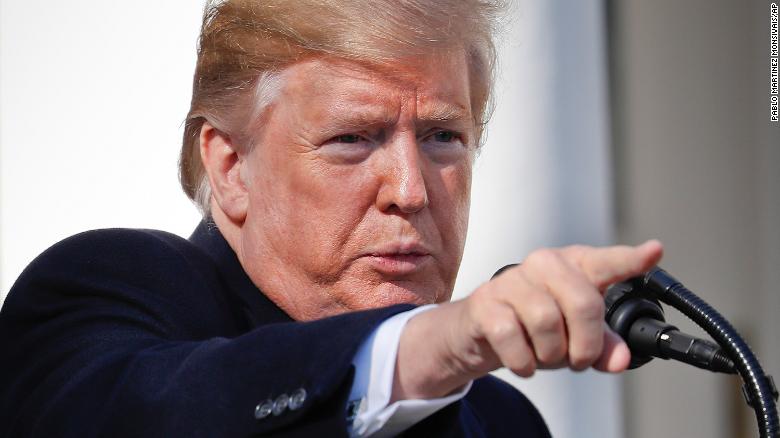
x: 336, y: 193
x: 323, y: 205
x: 457, y: 183
x: 454, y: 200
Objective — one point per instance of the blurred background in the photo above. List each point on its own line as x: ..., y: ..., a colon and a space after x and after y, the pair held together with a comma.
x: 615, y: 121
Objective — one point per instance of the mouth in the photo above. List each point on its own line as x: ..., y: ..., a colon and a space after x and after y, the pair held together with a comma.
x: 397, y: 260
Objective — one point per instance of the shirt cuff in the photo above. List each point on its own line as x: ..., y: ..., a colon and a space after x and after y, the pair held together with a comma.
x: 368, y: 407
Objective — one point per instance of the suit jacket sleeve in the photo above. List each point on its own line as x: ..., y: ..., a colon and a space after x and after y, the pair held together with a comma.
x: 125, y: 333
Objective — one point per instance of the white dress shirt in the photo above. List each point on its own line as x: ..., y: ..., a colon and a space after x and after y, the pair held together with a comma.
x: 369, y: 401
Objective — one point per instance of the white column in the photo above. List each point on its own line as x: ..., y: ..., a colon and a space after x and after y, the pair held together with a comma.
x: 543, y: 179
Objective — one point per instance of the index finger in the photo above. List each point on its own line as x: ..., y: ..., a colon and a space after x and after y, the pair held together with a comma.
x: 612, y: 264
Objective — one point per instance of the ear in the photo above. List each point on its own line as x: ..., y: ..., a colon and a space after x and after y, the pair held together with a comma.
x: 223, y: 166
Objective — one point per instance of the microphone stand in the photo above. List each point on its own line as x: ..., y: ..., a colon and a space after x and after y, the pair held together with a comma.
x: 634, y: 301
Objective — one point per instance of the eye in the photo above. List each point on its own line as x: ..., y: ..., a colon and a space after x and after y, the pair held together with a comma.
x: 444, y: 136
x: 348, y: 138
x: 445, y: 146
x: 347, y: 148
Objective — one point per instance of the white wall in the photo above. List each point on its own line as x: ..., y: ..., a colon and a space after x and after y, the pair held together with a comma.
x: 92, y: 99
x: 93, y: 94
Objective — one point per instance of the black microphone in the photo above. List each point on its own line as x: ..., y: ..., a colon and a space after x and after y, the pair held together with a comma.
x: 640, y: 321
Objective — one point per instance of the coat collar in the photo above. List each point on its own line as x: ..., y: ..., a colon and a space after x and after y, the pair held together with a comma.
x: 255, y: 306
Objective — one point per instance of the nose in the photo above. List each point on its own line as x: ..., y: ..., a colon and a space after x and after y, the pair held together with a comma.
x: 403, y: 177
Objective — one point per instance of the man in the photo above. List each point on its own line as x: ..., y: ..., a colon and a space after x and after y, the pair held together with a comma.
x: 330, y: 146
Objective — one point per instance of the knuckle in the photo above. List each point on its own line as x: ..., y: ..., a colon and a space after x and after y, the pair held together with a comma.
x: 543, y: 257
x: 499, y: 330
x: 588, y: 306
x: 579, y: 364
x: 481, y: 292
x: 544, y: 319
x: 478, y: 301
x: 585, y: 352
x: 584, y: 358
x: 576, y: 251
x: 523, y: 367
x: 553, y: 354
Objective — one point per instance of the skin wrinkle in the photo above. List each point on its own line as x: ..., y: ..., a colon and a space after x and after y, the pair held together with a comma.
x: 312, y: 211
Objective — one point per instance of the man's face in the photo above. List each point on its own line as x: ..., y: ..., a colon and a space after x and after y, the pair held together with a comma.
x: 359, y: 186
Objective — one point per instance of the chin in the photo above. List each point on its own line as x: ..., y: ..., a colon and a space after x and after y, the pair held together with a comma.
x: 398, y: 292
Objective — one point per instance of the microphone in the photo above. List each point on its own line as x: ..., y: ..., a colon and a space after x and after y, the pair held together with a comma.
x: 639, y: 320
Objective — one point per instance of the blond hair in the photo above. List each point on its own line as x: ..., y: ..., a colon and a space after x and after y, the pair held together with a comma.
x: 245, y: 44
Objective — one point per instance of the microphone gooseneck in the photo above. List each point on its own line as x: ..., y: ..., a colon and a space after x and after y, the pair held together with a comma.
x: 633, y: 310
x: 759, y: 389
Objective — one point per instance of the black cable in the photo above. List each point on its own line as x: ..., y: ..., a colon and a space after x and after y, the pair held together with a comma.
x: 758, y: 387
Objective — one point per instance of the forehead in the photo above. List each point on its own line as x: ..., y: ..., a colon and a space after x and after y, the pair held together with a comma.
x: 437, y: 83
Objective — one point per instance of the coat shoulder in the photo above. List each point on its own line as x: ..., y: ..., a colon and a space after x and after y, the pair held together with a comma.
x: 155, y: 272
x: 114, y: 244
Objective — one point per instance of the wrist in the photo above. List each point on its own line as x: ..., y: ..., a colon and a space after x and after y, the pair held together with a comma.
x: 425, y: 367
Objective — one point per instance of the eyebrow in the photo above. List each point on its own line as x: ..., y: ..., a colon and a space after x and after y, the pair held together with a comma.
x: 362, y: 118
x: 436, y: 111
x: 443, y: 112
